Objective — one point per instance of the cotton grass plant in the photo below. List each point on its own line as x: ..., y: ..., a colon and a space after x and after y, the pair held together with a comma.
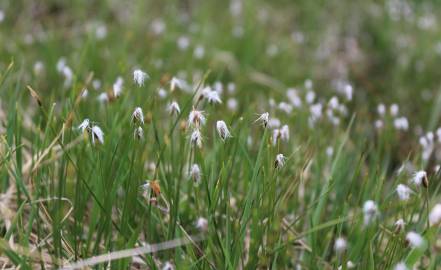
x: 212, y: 135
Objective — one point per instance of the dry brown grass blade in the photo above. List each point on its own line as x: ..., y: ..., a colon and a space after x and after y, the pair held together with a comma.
x: 35, y: 95
x: 127, y: 253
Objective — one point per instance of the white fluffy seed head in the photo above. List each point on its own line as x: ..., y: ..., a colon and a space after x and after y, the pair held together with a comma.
x: 403, y: 192
x: 414, y: 239
x: 118, y: 87
x: 176, y: 83
x: 419, y: 178
x: 173, y: 108
x: 401, y: 266
x: 222, y: 130
x: 399, y: 225
x: 138, y: 116
x: 202, y: 224
x: 196, y: 118
x: 340, y: 245
x: 212, y: 96
x: 138, y: 134
x: 280, y: 161
x: 370, y: 211
x: 139, y: 77
x: 196, y: 138
x: 97, y: 134
x: 195, y: 173
x: 84, y: 125
x: 435, y: 215
x: 168, y: 266
x: 263, y: 118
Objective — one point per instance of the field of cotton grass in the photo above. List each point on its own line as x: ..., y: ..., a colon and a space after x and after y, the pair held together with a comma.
x: 240, y: 134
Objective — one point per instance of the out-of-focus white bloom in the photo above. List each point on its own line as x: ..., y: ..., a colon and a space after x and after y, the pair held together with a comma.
x: 138, y: 116
x: 222, y: 130
x: 381, y: 109
x: 118, y: 87
x: 348, y: 90
x: 195, y: 173
x: 96, y: 84
x: 370, y: 211
x: 272, y: 50
x: 177, y: 83
x: 280, y: 161
x: 202, y: 224
x: 231, y: 87
x: 173, y: 108
x: 401, y: 266
x: 199, y: 52
x: 316, y: 112
x: 334, y: 103
x: 103, y: 97
x: 263, y: 118
x: 168, y: 266
x: 274, y: 123
x: 38, y: 68
x: 212, y: 96
x: 415, y: 239
x: 61, y: 63
x: 232, y: 104
x: 138, y: 133
x: 293, y: 97
x: 435, y: 215
x: 285, y: 107
x: 403, y: 192
x: 236, y: 8
x: 329, y: 151
x: 419, y: 178
x: 183, y: 43
x: 68, y: 76
x: 310, y: 97
x: 340, y: 245
x: 349, y: 265
x: 379, y: 124
x: 162, y: 93
x: 97, y: 134
x: 401, y: 123
x: 2, y: 15
x: 284, y: 133
x: 196, y: 118
x: 139, y: 77
x: 101, y: 31
x: 400, y: 224
x: 84, y: 125
x: 158, y: 26
x: 308, y: 84
x: 196, y: 138
x: 394, y: 109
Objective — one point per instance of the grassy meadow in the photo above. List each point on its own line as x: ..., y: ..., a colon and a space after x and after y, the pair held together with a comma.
x: 238, y: 134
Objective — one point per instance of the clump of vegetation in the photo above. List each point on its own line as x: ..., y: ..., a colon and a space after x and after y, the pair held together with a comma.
x: 220, y: 134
